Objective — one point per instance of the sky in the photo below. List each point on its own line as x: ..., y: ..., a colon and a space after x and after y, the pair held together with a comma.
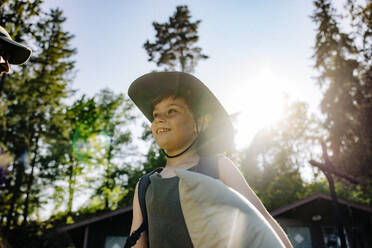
x: 260, y: 51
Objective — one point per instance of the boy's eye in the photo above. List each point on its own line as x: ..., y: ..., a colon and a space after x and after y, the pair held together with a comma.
x: 171, y: 111
x: 155, y: 115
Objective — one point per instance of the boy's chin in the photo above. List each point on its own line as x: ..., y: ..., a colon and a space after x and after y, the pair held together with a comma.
x: 164, y: 143
x: 165, y: 146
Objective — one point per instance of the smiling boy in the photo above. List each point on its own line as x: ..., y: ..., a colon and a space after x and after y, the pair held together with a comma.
x: 191, y: 127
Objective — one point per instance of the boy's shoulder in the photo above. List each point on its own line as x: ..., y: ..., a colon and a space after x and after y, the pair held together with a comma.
x: 224, y: 161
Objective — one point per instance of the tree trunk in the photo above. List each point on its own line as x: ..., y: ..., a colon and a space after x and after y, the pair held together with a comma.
x: 16, y: 190
x: 29, y: 185
x: 71, y: 185
x: 338, y: 216
x: 182, y: 61
x: 107, y: 176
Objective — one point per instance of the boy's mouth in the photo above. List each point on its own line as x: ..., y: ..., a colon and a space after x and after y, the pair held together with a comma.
x: 162, y: 130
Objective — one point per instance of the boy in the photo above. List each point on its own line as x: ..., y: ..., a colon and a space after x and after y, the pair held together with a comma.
x: 189, y: 124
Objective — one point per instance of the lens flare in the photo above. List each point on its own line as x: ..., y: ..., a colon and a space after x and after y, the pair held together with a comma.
x: 24, y: 159
x: 88, y: 144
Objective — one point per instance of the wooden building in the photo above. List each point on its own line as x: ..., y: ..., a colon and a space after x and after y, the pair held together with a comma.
x: 309, y: 223
x: 108, y: 230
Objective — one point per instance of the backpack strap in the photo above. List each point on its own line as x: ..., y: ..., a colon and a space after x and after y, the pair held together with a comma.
x: 143, y: 184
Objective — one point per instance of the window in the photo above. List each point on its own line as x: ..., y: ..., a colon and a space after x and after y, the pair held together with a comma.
x: 115, y: 241
x: 299, y: 236
x: 331, y: 238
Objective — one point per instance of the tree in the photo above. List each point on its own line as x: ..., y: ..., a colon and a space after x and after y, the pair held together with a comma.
x: 272, y: 163
x: 90, y: 150
x: 69, y: 153
x: 32, y: 95
x: 343, y: 60
x: 175, y: 42
x: 115, y: 116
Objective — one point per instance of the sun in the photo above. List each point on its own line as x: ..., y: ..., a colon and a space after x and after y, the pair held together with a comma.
x: 259, y: 102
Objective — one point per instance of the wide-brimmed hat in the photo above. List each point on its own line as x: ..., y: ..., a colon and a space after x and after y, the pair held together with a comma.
x: 18, y: 53
x: 144, y: 90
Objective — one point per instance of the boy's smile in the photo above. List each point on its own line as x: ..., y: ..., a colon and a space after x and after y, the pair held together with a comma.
x: 173, y: 127
x: 162, y: 130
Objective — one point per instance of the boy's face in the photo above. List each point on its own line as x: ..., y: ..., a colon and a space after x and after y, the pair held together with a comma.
x: 173, y: 126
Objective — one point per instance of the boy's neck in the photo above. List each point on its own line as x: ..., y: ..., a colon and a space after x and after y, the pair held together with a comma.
x: 184, y: 161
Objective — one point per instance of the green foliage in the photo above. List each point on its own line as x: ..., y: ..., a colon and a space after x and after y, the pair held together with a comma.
x: 89, y: 150
x: 175, y: 42
x: 32, y: 95
x: 30, y: 107
x: 115, y: 118
x: 272, y: 162
x: 343, y: 60
x: 69, y: 152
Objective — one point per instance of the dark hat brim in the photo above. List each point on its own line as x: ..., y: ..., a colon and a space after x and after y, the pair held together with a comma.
x: 144, y: 90
x: 18, y: 53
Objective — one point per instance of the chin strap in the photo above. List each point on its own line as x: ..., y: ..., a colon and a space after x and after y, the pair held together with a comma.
x: 179, y: 154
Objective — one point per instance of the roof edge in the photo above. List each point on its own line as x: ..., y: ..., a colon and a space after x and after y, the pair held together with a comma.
x: 94, y: 219
x: 308, y: 199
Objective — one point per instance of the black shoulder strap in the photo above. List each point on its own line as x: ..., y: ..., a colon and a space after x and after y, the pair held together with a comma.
x: 142, y: 187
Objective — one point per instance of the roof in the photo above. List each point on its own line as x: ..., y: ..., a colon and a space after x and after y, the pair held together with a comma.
x: 302, y: 202
x: 95, y: 219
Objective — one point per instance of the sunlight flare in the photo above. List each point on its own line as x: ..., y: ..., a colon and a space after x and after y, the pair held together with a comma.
x: 261, y: 100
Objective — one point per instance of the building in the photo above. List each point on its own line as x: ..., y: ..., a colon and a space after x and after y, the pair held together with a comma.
x: 108, y: 230
x: 309, y: 223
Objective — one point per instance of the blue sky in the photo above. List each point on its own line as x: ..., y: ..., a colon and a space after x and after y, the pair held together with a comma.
x: 260, y: 51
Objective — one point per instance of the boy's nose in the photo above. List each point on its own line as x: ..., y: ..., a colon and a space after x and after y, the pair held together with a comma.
x: 159, y: 118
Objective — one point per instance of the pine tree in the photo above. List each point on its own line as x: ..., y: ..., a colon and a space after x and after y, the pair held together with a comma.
x: 32, y: 94
x: 174, y: 46
x: 343, y: 60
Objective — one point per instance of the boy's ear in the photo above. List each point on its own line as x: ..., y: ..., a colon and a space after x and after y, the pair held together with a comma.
x: 203, y: 122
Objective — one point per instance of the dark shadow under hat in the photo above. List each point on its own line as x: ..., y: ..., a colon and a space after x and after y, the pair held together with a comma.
x: 18, y: 53
x: 144, y: 90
